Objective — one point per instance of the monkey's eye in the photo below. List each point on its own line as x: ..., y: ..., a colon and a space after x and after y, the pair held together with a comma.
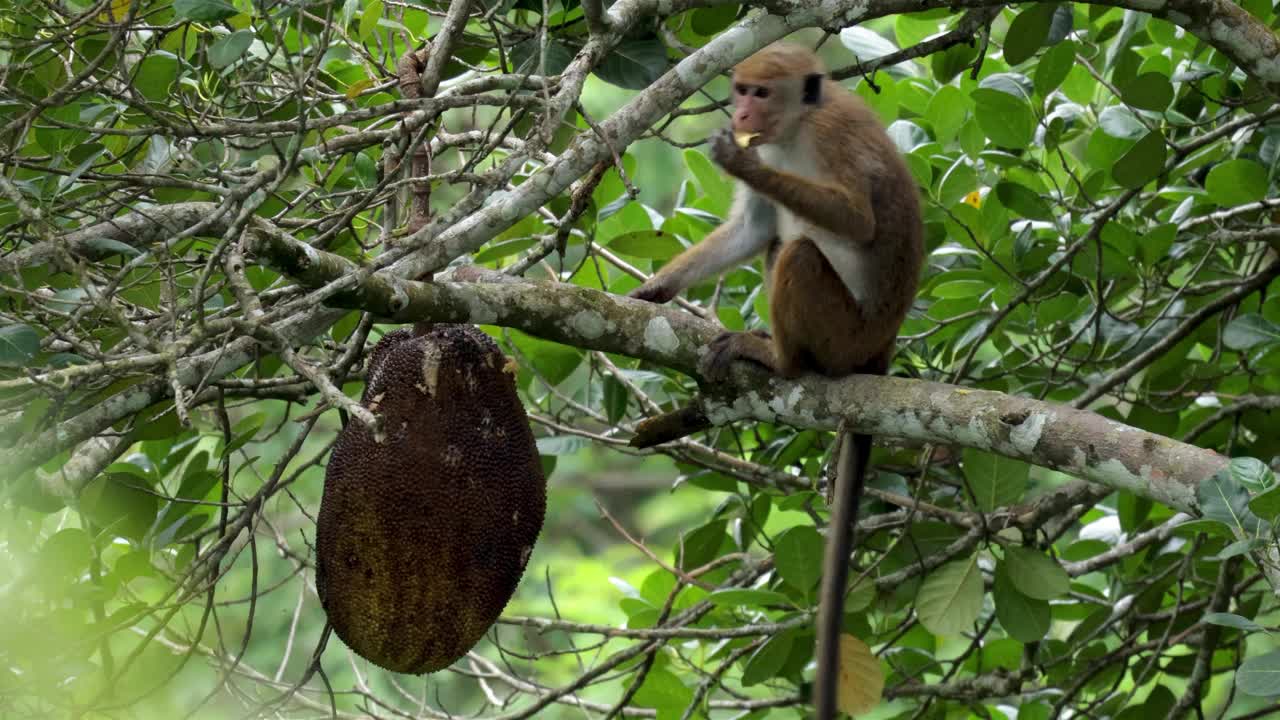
x: 740, y: 89
x: 762, y: 92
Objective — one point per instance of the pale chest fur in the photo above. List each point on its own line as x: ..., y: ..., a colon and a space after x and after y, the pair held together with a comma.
x: 850, y: 263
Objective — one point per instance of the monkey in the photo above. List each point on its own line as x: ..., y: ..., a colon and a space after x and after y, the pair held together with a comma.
x: 824, y: 193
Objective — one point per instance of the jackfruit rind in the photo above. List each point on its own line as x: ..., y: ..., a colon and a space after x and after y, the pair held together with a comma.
x: 421, y: 539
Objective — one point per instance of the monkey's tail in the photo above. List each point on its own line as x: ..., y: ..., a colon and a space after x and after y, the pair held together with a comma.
x: 851, y: 470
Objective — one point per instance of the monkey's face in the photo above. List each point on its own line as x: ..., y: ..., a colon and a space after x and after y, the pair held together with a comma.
x: 770, y: 107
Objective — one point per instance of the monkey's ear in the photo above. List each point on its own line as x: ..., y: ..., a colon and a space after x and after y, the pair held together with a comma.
x: 812, y: 89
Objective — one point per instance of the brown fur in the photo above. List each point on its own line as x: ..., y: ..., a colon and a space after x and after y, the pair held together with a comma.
x: 863, y: 194
x: 835, y: 209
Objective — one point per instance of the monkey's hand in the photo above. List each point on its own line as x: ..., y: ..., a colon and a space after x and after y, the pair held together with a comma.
x: 653, y: 292
x: 734, y: 158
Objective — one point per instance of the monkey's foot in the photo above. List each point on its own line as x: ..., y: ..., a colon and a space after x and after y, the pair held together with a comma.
x: 755, y: 346
x: 652, y: 292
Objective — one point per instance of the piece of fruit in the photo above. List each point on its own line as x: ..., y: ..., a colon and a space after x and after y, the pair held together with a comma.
x: 422, y: 538
x: 744, y: 138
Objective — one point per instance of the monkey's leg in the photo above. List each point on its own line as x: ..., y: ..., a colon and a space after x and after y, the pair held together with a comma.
x: 729, y: 347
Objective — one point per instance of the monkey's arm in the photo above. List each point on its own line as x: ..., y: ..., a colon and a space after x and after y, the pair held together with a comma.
x: 843, y: 210
x: 748, y: 231
x: 847, y: 214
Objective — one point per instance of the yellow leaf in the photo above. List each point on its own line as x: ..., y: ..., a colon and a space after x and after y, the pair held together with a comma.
x: 357, y: 87
x: 974, y: 198
x: 861, y: 681
x: 116, y: 11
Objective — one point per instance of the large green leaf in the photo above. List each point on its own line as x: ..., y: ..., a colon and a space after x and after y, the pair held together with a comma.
x: 1142, y: 163
x: 699, y: 547
x: 1028, y: 32
x: 1237, y: 182
x: 996, y: 481
x: 798, y: 556
x: 634, y: 64
x: 1149, y: 91
x: 1249, y: 331
x: 1053, y: 67
x: 1223, y: 498
x: 228, y: 49
x: 18, y: 345
x: 765, y: 662
x: 1035, y: 574
x: 1260, y: 675
x: 1025, y: 618
x: 950, y: 598
x: 649, y: 244
x: 206, y: 11
x: 1006, y: 119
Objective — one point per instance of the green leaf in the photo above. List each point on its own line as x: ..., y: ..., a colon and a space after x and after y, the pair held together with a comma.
x: 960, y: 289
x: 950, y: 598
x: 700, y: 546
x: 121, y: 504
x: 156, y: 72
x: 1053, y: 67
x: 616, y: 399
x: 527, y: 56
x: 104, y: 247
x: 1236, y: 182
x: 1028, y: 32
x: 1026, y: 619
x: 1035, y: 574
x: 952, y: 61
x: 18, y: 345
x: 228, y: 49
x: 735, y: 597
x: 1023, y: 200
x: 1006, y: 119
x: 369, y: 19
x: 650, y: 244
x: 1119, y: 121
x: 765, y: 662
x: 196, y: 484
x: 1224, y: 499
x: 663, y: 691
x: 1249, y: 331
x: 506, y: 248
x: 710, y: 21
x: 1148, y: 91
x: 865, y: 43
x: 798, y: 556
x: 244, y: 431
x: 1267, y: 505
x: 1236, y: 549
x: 1260, y: 676
x: 959, y: 180
x: 634, y: 64
x: 558, y: 445
x: 1252, y: 473
x: 1142, y: 163
x: 205, y: 11
x: 995, y: 481
x: 946, y: 112
x: 65, y: 556
x: 1233, y: 621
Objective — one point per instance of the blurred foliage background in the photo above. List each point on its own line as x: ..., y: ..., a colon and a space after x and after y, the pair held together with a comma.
x: 1100, y: 199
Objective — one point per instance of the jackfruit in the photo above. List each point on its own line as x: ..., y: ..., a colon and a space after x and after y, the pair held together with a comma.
x: 422, y: 538
x: 744, y: 138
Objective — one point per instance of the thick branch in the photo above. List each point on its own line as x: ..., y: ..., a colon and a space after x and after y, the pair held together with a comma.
x: 1075, y: 441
